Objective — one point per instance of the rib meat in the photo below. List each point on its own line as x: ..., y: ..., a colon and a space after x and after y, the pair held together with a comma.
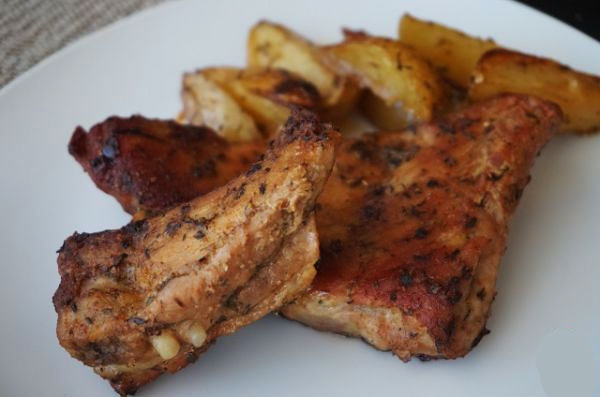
x: 412, y: 227
x: 148, y: 298
x: 155, y: 164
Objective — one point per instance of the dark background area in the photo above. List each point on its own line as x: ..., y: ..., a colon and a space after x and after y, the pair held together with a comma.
x: 581, y: 14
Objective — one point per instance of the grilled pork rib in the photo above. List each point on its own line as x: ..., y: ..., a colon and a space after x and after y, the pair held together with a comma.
x: 412, y: 226
x: 155, y: 164
x: 148, y: 298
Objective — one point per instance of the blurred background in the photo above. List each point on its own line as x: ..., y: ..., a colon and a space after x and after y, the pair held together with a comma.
x: 582, y: 14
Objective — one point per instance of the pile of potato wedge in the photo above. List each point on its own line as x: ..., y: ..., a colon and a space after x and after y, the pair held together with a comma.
x: 428, y: 70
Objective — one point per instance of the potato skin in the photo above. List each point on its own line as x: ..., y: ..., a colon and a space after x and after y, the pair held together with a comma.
x: 268, y: 94
x: 577, y: 93
x: 206, y: 103
x: 393, y: 72
x: 250, y: 104
x: 452, y: 52
x: 272, y: 45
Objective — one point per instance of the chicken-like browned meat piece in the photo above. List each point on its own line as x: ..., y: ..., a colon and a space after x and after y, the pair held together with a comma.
x: 155, y: 164
x: 148, y: 298
x: 412, y: 227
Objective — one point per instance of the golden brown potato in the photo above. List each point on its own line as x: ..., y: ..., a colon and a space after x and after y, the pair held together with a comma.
x: 267, y: 94
x: 275, y: 46
x: 396, y: 74
x: 206, y: 103
x: 263, y: 96
x: 454, y: 53
x: 282, y: 87
x: 386, y: 118
x: 577, y: 93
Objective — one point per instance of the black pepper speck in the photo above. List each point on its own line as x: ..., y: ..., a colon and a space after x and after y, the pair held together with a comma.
x: 421, y: 233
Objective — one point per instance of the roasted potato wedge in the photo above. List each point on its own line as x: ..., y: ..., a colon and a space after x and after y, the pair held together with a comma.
x: 271, y: 45
x: 454, y: 53
x: 393, y: 72
x: 282, y: 87
x: 577, y: 93
x: 206, y: 103
x: 263, y: 95
x: 267, y: 94
x: 384, y: 117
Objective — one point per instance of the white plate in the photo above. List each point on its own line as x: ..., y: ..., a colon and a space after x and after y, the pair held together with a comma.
x: 546, y: 319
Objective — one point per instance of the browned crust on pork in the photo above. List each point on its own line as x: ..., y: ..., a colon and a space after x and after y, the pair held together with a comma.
x: 413, y: 225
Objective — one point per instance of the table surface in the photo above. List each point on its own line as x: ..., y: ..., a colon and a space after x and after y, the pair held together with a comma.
x: 34, y: 29
x: 31, y: 30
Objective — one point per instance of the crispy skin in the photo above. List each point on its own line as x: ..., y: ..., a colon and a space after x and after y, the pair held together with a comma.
x: 155, y: 164
x: 412, y: 227
x: 219, y: 262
